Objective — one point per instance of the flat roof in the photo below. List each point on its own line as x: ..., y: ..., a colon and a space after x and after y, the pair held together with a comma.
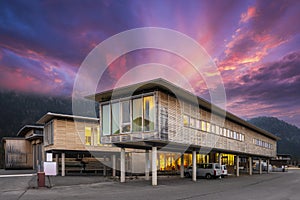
x: 49, y: 116
x: 164, y: 85
x: 27, y: 128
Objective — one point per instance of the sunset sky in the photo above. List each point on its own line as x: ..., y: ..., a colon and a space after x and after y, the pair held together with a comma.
x: 255, y: 45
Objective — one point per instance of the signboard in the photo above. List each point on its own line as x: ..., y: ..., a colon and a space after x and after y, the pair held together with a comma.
x: 50, y: 168
x: 49, y: 157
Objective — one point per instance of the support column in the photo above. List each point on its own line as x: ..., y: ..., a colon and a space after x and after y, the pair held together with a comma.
x: 122, y: 179
x: 154, y: 167
x: 220, y: 159
x: 104, y: 170
x: 57, y: 163
x: 237, y: 165
x: 147, y: 165
x: 268, y: 165
x: 260, y: 166
x: 194, y: 166
x: 182, y: 166
x: 113, y: 165
x: 250, y: 166
x: 63, y: 172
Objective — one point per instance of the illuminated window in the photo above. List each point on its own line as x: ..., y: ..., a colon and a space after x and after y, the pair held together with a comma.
x: 137, y: 115
x: 88, y: 136
x: 203, y: 125
x: 98, y: 136
x: 208, y: 127
x: 186, y: 120
x: 149, y: 113
x: 234, y: 135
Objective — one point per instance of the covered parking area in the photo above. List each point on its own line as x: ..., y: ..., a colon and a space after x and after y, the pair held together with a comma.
x: 243, y: 163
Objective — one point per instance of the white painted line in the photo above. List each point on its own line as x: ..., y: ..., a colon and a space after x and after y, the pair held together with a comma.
x: 15, y: 175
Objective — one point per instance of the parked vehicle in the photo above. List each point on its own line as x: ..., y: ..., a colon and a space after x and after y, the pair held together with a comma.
x: 207, y: 170
x: 224, y: 171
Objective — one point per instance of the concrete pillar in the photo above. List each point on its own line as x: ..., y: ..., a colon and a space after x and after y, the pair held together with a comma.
x: 147, y: 165
x: 237, y: 165
x: 182, y: 166
x: 250, y: 166
x: 260, y: 166
x: 220, y: 159
x: 63, y: 172
x: 154, y: 167
x: 57, y: 162
x: 104, y: 169
x: 268, y: 165
x: 194, y: 166
x: 122, y: 179
x: 113, y: 165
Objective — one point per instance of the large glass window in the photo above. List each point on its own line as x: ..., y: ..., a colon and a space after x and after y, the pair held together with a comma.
x: 125, y: 116
x: 105, y: 120
x: 137, y: 115
x: 115, y: 111
x: 149, y: 113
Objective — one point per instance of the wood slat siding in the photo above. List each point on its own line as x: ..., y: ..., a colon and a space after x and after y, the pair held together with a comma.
x: 177, y: 132
x: 18, y: 154
x: 69, y: 135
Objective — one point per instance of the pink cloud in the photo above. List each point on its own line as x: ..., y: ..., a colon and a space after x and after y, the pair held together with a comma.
x: 246, y: 16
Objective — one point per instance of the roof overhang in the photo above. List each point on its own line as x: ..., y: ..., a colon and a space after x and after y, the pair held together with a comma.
x: 25, y: 129
x: 49, y: 116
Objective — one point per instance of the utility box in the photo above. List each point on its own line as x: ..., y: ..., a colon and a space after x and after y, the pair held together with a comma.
x: 41, y: 179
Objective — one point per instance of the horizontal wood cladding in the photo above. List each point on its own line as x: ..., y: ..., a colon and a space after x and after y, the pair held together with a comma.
x: 179, y: 133
x: 68, y: 135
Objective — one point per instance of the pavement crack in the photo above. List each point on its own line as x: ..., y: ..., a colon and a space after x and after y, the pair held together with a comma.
x: 22, y: 195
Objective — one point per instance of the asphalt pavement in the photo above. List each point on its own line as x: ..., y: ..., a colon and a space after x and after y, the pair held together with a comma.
x: 273, y: 186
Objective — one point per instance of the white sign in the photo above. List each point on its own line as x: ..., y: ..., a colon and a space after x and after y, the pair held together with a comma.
x: 49, y: 157
x: 50, y: 168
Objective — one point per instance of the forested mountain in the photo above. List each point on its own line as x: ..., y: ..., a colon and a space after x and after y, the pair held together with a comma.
x: 17, y: 110
x: 289, y: 134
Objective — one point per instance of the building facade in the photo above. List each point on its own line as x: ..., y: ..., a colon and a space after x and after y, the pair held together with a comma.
x: 159, y: 115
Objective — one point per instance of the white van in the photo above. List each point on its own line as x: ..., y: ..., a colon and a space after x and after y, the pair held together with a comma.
x: 224, y: 171
x: 207, y: 170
